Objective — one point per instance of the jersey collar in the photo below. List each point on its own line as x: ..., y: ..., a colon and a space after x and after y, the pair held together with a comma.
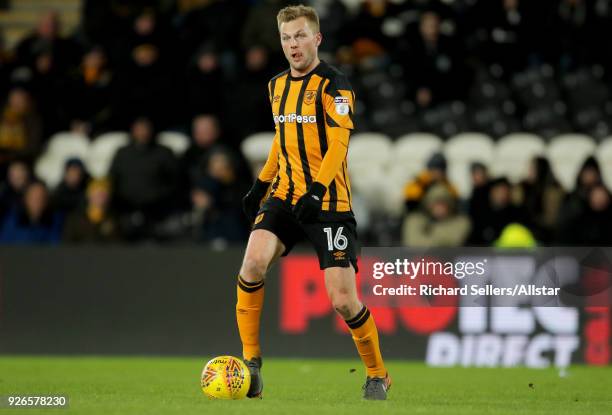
x: 314, y: 70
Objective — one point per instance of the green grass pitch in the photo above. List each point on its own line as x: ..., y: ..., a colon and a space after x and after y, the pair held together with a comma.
x: 134, y: 385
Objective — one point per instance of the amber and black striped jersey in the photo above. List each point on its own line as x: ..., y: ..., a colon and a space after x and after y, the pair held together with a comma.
x: 313, y: 119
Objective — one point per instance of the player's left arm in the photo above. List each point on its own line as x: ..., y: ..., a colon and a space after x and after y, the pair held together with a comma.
x: 338, y: 105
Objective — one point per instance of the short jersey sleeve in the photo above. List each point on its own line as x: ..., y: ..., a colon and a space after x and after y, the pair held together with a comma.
x: 339, y: 101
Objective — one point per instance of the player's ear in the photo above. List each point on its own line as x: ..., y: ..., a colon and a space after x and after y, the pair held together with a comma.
x: 319, y: 38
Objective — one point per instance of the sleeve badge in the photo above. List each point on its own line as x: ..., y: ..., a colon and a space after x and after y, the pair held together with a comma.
x: 342, y: 105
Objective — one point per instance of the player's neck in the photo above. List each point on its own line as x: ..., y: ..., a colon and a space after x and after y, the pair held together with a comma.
x: 297, y: 74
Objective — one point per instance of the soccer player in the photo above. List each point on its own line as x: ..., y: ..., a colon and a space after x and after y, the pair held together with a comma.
x: 306, y: 194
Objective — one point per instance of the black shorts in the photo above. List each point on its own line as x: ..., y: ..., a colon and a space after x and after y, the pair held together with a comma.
x: 333, y: 234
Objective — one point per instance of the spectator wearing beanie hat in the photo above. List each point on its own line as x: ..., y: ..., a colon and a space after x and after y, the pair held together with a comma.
x: 437, y: 223
x: 435, y: 172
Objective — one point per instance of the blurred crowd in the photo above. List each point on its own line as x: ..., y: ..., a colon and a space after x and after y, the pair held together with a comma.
x: 201, y: 67
x: 536, y: 211
x: 149, y: 194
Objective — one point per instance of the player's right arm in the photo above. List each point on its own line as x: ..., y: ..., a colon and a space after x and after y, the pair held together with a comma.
x: 252, y: 200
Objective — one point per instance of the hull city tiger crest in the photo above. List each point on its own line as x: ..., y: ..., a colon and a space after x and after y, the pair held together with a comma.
x: 309, y: 97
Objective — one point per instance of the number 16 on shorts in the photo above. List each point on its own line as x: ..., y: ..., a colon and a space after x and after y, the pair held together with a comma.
x: 337, y: 241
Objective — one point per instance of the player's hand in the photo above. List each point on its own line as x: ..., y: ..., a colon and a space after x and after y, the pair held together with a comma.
x: 308, y: 206
x: 252, y: 200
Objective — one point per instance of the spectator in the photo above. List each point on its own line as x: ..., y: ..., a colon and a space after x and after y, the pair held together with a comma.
x: 47, y: 38
x: 508, y: 34
x: 98, y: 16
x: 11, y: 191
x: 364, y: 33
x: 593, y: 225
x: 218, y: 22
x: 145, y: 87
x: 541, y: 195
x: 20, y: 129
x: 434, y: 173
x: 260, y: 29
x: 6, y: 66
x: 571, y: 25
x: 70, y: 193
x: 575, y: 203
x: 253, y: 109
x: 333, y: 18
x: 48, y: 86
x: 205, y: 133
x: 437, y: 223
x: 90, y: 93
x: 93, y: 222
x: 204, y: 88
x: 478, y: 204
x: 120, y: 15
x: 217, y: 200
x: 500, y: 213
x: 435, y: 64
x: 515, y: 235
x: 143, y: 178
x: 32, y: 221
x: 146, y: 29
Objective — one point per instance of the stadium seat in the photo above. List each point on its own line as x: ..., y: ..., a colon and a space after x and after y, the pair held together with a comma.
x: 370, y: 182
x: 369, y: 149
x: 50, y: 168
x: 68, y: 144
x: 257, y: 146
x: 378, y: 173
x: 102, y: 151
x: 461, y: 151
x: 409, y: 155
x: 416, y: 147
x: 175, y: 141
x: 604, y: 156
x: 566, y: 154
x: 513, y: 154
x: 471, y: 146
x: 392, y: 197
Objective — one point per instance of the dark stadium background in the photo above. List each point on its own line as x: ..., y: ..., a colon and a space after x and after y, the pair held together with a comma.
x: 131, y: 129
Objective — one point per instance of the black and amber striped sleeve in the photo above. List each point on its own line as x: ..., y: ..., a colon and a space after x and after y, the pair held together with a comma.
x: 332, y: 162
x: 338, y: 100
x: 270, y: 169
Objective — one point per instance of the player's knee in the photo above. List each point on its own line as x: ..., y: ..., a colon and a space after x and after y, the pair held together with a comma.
x: 344, y: 311
x: 253, y: 269
x: 343, y: 304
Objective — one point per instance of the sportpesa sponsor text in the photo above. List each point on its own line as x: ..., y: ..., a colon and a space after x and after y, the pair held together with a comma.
x: 293, y: 117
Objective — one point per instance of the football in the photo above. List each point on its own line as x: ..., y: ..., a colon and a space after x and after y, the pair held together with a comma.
x: 225, y: 377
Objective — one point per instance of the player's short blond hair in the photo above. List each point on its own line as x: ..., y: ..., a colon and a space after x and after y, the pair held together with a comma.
x: 291, y: 13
